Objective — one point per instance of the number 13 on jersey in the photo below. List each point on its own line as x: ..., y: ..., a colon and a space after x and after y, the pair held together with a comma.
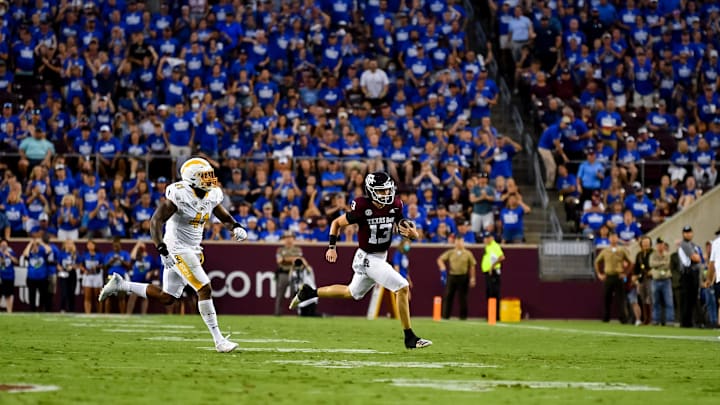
x: 380, y: 233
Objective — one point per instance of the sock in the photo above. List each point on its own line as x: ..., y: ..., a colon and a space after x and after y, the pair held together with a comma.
x: 409, y: 334
x: 207, y: 311
x: 139, y: 289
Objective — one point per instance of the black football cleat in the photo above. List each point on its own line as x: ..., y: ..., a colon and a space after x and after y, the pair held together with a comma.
x: 306, y: 293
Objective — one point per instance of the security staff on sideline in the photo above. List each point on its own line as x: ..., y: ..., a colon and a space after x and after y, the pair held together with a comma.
x: 690, y: 263
x: 614, y: 259
x: 285, y: 256
x: 491, y: 266
x: 461, y: 276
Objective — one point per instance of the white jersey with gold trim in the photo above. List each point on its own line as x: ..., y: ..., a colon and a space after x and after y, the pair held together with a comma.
x: 184, y: 230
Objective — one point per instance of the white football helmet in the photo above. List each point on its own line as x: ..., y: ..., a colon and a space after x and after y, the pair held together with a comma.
x: 380, y: 187
x: 199, y: 173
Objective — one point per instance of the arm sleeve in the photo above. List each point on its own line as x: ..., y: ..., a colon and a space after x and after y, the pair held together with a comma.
x: 399, y: 212
x: 352, y: 217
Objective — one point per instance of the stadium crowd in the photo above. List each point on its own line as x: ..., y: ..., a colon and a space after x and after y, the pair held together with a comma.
x: 627, y: 113
x: 291, y: 101
x: 626, y: 104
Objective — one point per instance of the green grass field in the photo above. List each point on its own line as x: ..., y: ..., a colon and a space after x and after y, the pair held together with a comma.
x: 168, y: 359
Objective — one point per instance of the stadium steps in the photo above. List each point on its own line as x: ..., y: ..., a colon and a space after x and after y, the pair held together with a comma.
x: 536, y: 221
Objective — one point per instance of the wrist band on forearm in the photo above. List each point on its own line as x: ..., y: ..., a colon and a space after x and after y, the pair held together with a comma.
x: 333, y: 241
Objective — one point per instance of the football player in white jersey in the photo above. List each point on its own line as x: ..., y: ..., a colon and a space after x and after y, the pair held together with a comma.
x: 189, y: 204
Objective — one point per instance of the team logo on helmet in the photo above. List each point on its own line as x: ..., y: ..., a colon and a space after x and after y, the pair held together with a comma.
x: 380, y: 187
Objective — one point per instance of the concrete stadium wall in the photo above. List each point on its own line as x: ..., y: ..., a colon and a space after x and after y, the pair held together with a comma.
x: 703, y: 216
x: 242, y: 281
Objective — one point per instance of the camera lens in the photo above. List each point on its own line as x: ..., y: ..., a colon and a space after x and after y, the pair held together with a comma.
x: 298, y: 262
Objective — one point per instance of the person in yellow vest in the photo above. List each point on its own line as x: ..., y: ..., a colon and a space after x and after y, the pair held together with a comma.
x: 491, y: 265
x: 462, y: 265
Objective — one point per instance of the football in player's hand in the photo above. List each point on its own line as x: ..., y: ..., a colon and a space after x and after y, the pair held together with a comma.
x: 406, y: 223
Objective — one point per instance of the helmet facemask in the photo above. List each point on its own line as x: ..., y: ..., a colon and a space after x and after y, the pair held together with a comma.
x: 207, y: 180
x: 382, y: 194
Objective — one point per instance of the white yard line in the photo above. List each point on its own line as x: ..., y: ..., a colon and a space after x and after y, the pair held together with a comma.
x: 128, y: 330
x: 383, y: 364
x: 609, y: 333
x: 183, y: 339
x: 14, y: 388
x: 130, y: 325
x: 300, y: 350
x: 489, y: 385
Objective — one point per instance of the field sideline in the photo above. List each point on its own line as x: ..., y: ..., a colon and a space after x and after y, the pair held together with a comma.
x: 170, y: 359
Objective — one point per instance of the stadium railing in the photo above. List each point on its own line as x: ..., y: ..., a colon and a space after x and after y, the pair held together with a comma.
x: 567, y: 258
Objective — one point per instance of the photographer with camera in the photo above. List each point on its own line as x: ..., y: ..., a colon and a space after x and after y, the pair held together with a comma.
x: 286, y: 256
x: 302, y: 274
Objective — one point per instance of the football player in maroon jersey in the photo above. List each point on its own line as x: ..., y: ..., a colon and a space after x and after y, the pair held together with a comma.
x: 376, y: 214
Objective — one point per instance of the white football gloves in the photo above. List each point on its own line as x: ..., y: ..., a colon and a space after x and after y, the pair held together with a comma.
x: 165, y: 257
x: 239, y: 233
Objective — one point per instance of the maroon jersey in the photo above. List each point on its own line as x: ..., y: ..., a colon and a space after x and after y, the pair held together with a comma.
x: 376, y: 224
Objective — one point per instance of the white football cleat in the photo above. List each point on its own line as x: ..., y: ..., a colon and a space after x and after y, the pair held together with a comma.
x: 111, y: 288
x: 423, y: 343
x: 225, y: 345
x: 417, y: 343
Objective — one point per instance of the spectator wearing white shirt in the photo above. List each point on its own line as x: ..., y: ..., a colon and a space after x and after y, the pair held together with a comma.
x: 374, y: 82
x: 713, y: 276
x: 520, y: 31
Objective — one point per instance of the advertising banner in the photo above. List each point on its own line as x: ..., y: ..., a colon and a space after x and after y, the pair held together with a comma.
x: 243, y: 281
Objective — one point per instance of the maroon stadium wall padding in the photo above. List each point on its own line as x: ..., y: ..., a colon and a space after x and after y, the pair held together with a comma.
x: 242, y: 281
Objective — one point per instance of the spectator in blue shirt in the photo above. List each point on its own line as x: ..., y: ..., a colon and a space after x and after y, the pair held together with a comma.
x: 109, y: 149
x: 628, y: 230
x: 17, y: 214
x: 68, y: 219
x: 590, y: 175
x: 266, y: 91
x: 503, y: 153
x: 602, y: 240
x: 144, y: 269
x: 648, y: 148
x: 665, y: 192
x: 708, y: 105
x: 628, y: 159
x: 639, y: 203
x: 333, y: 179
x: 592, y: 219
x: 704, y: 165
x: 37, y: 255
x: 99, y: 217
x: 8, y: 261
x: 180, y: 134
x: 566, y: 185
x: 142, y: 211
x: 321, y: 231
x: 512, y: 219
